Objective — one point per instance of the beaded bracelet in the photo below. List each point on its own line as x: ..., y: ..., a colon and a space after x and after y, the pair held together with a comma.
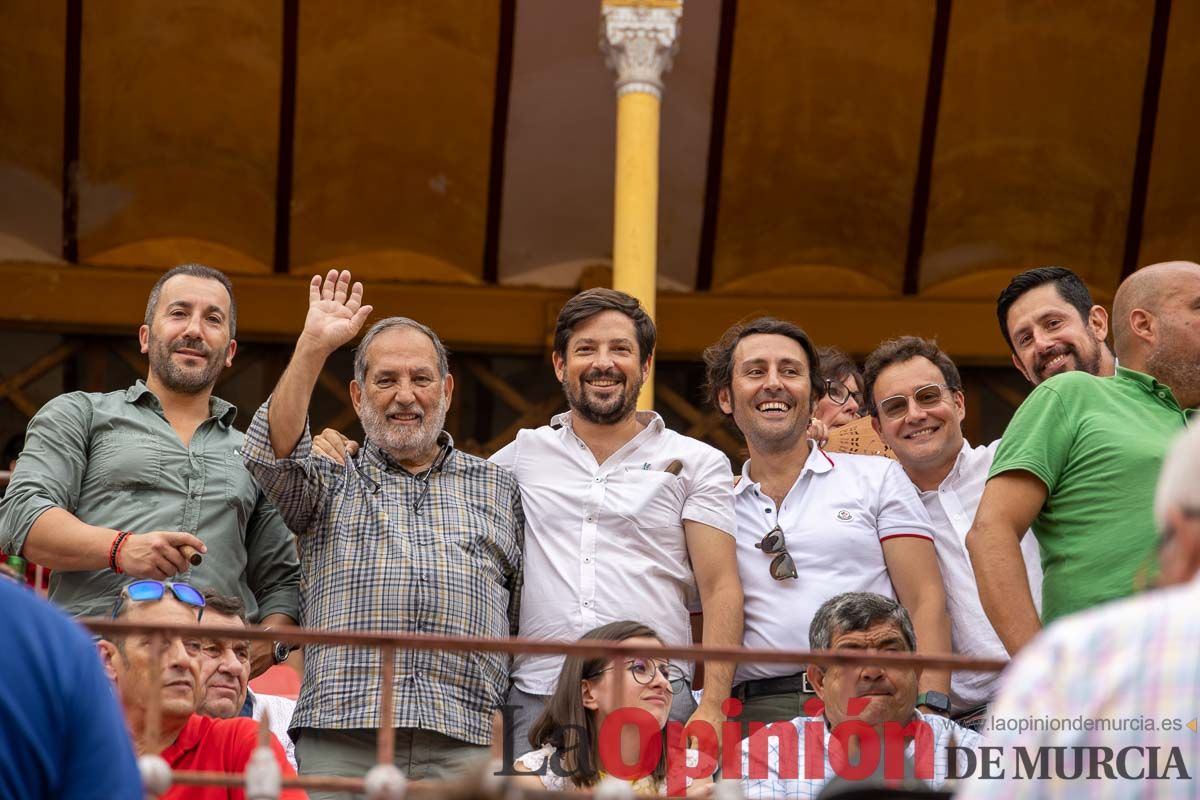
x: 115, y: 550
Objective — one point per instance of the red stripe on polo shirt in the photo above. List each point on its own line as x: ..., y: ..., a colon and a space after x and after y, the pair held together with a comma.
x: 827, y: 458
x: 906, y: 536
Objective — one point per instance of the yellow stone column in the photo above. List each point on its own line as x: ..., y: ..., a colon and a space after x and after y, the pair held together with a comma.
x: 639, y: 38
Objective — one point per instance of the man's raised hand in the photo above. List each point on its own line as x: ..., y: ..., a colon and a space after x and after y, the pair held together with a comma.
x: 335, y: 311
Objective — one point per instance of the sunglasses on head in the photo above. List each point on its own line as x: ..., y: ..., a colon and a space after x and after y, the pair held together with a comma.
x: 148, y: 590
x: 774, y: 544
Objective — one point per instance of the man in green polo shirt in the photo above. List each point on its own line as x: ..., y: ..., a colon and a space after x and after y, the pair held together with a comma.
x: 1080, y: 459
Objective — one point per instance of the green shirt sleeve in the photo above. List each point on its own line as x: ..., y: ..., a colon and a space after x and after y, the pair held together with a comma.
x: 1038, y: 439
x: 51, y: 468
x: 272, y: 562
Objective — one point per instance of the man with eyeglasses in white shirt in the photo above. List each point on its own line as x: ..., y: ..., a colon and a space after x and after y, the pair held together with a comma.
x: 915, y: 398
x: 811, y: 526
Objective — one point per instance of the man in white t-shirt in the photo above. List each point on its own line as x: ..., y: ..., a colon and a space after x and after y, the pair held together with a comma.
x: 624, y: 518
x: 810, y: 525
x: 914, y: 394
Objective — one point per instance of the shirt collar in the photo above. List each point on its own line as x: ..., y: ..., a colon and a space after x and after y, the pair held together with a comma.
x: 818, y: 462
x: 187, y: 740
x: 1147, y: 383
x: 958, y: 461
x: 223, y: 410
x: 650, y: 419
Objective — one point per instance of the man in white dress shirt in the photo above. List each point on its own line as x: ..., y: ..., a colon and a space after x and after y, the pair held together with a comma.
x: 625, y: 519
x: 914, y: 394
x: 810, y: 525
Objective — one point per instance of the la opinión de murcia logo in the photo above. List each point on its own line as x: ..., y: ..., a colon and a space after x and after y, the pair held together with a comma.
x: 855, y: 752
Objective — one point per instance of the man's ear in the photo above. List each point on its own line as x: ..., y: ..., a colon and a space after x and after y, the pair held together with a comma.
x: 448, y: 387
x: 108, y: 656
x: 355, y: 396
x: 1097, y: 322
x: 816, y: 676
x: 144, y: 339
x: 649, y: 363
x: 229, y: 353
x: 1141, y: 325
x: 723, y: 401
x: 560, y: 365
x: 878, y: 432
x: 588, y: 692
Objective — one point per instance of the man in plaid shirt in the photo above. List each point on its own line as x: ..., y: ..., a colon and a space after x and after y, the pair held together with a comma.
x: 409, y: 535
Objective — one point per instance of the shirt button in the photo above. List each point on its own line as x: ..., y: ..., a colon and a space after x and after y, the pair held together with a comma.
x: 587, y: 559
x: 767, y: 510
x: 587, y: 603
x: 591, y: 519
x: 599, y: 479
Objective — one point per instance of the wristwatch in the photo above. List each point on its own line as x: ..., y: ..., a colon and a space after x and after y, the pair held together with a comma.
x: 935, y: 701
x: 283, y: 650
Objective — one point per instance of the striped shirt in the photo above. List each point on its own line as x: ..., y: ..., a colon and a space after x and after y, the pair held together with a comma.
x: 369, y: 562
x: 764, y: 777
x: 1121, y: 679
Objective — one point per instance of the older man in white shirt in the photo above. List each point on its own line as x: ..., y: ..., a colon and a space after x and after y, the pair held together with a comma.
x: 914, y: 394
x: 625, y: 519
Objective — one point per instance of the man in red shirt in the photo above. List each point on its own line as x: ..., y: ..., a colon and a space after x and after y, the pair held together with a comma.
x: 186, y: 740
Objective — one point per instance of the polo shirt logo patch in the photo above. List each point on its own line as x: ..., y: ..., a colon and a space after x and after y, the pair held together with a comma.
x: 844, y: 515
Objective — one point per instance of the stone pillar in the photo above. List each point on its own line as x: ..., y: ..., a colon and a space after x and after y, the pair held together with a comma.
x: 638, y: 40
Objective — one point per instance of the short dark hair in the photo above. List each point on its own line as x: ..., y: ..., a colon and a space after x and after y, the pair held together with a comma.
x: 858, y: 611
x: 225, y: 605
x: 718, y: 358
x: 195, y: 271
x: 837, y: 366
x: 1069, y: 285
x: 591, y: 302
x: 897, y: 351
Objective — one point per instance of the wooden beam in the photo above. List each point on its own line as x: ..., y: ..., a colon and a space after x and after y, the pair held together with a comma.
x: 929, y: 124
x: 1151, y: 89
x: 500, y: 101
x: 716, y: 146
x: 65, y: 298
x: 72, y: 77
x: 287, y: 136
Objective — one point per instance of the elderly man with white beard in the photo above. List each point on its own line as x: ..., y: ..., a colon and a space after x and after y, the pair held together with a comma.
x: 409, y: 535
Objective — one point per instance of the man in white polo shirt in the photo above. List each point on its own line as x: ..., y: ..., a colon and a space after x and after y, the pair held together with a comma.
x: 625, y: 519
x: 914, y: 394
x: 811, y: 526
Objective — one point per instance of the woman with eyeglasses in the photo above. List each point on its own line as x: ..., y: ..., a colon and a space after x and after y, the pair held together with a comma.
x: 568, y: 733
x: 843, y: 400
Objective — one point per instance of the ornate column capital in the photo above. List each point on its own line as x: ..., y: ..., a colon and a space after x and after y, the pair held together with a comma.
x: 638, y: 40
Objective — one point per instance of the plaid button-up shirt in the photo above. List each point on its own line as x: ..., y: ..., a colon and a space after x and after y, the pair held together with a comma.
x: 370, y: 562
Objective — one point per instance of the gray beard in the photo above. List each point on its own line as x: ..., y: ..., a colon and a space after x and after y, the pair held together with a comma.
x: 399, y: 444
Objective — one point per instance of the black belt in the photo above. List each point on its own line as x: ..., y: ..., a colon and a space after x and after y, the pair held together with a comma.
x: 762, y: 687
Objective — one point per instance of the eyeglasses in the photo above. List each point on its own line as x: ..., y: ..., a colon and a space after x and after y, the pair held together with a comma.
x: 896, y: 406
x: 644, y: 670
x: 839, y: 394
x: 148, y: 590
x: 773, y: 544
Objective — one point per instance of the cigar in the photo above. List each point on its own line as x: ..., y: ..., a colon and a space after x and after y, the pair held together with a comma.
x: 675, y: 467
x: 192, y: 555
